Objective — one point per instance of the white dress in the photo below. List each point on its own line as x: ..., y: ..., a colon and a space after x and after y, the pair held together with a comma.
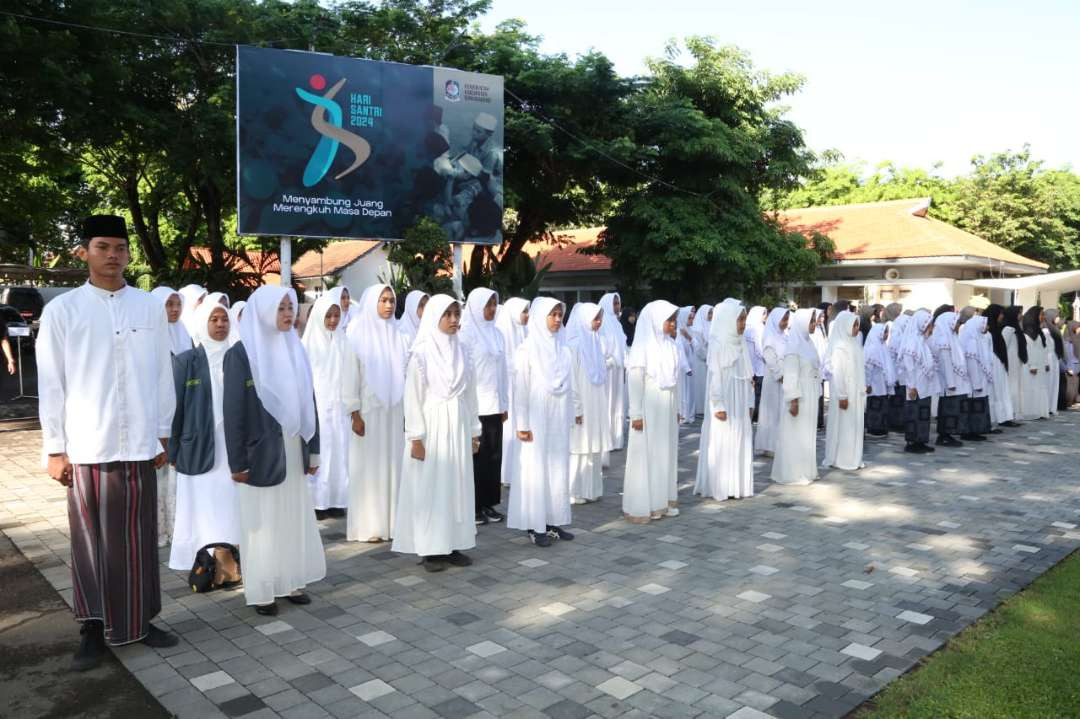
x: 540, y: 494
x: 1053, y: 377
x: 772, y: 402
x: 1016, y: 368
x: 687, y: 405
x: 435, y: 508
x: 844, y: 427
x: 330, y: 487
x: 1001, y: 406
x: 651, y: 485
x: 206, y: 508
x: 700, y: 379
x: 796, y: 447
x: 726, y: 461
x: 616, y: 398
x: 590, y: 439
x: 281, y: 550
x: 374, y: 463
x: 1034, y: 396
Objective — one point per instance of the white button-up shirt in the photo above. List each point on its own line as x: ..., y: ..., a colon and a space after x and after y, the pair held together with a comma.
x: 489, y: 370
x: 104, y: 375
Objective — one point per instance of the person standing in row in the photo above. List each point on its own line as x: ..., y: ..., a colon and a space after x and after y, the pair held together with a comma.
x: 613, y: 340
x: 236, y: 311
x: 443, y: 434
x: 1055, y: 351
x: 772, y: 390
x: 898, y: 397
x: 193, y: 296
x: 796, y: 446
x: 1002, y: 411
x: 374, y: 401
x: 332, y: 369
x: 106, y: 406
x: 725, y: 467
x: 206, y: 496
x: 653, y: 370
x: 487, y: 355
x: 880, y: 379
x: 512, y: 320
x: 756, y: 319
x: 952, y: 373
x: 546, y: 407
x: 699, y: 333
x: 847, y: 405
x: 1034, y: 397
x: 923, y: 383
x: 591, y: 437
x: 409, y: 323
x: 1017, y: 347
x: 1072, y: 363
x: 975, y: 344
x: 685, y: 342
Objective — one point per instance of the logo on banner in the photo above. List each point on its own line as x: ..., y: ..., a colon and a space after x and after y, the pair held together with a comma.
x: 332, y: 133
x: 453, y: 90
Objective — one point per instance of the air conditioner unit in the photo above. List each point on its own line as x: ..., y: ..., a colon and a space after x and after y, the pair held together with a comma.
x: 892, y: 274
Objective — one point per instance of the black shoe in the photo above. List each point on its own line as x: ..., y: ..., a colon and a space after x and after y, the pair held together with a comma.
x: 267, y: 610
x: 996, y: 431
x: 871, y: 435
x: 947, y: 440
x: 973, y: 438
x: 91, y: 647
x: 336, y: 512
x: 300, y: 598
x: 159, y: 639
x: 492, y: 515
x: 540, y: 539
x: 915, y: 448
x: 433, y: 564
x: 458, y: 559
x: 481, y: 519
x: 321, y: 514
x: 559, y: 533
x: 927, y: 448
x: 1010, y: 423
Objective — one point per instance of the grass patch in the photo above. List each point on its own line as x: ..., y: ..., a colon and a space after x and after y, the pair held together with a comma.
x: 1021, y: 660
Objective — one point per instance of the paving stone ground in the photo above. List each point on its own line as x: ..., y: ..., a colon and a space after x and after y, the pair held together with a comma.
x: 799, y: 602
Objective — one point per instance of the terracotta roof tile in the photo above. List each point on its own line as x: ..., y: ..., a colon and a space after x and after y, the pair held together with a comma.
x: 335, y: 256
x: 563, y: 252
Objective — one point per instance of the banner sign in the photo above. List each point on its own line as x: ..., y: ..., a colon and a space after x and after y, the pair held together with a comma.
x: 339, y: 147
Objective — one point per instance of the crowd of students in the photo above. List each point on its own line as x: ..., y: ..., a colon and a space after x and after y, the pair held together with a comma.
x: 410, y: 427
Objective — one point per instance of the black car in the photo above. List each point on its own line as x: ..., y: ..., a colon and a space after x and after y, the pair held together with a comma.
x: 14, y: 319
x: 27, y: 300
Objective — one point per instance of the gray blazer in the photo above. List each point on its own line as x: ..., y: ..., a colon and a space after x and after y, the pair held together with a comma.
x: 253, y: 437
x: 191, y: 446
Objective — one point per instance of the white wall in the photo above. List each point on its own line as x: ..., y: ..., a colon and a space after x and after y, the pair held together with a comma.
x: 364, y: 272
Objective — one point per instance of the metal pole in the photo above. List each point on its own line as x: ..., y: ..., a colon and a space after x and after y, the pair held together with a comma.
x: 18, y: 350
x: 286, y: 261
x: 458, y: 272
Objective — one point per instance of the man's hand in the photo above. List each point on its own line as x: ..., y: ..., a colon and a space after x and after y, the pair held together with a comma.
x: 793, y: 409
x: 1034, y: 371
x: 525, y: 436
x: 59, y: 468
x: 722, y: 415
x: 417, y: 450
x: 505, y: 416
x: 637, y: 425
x: 241, y: 477
x: 161, y: 460
x: 843, y: 404
x: 357, y: 424
x: 313, y: 470
x: 912, y: 394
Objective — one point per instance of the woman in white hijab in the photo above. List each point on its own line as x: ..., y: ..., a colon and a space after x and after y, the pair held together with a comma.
x: 409, y: 323
x: 511, y: 320
x: 236, y: 311
x: 923, y: 383
x: 333, y: 369
x: 206, y: 497
x: 653, y: 369
x: 685, y: 342
x: 377, y: 444
x: 979, y: 353
x: 755, y: 343
x: 796, y: 447
x: 484, y: 343
x: 699, y: 332
x: 613, y: 340
x: 847, y: 404
x: 443, y: 432
x: 166, y: 475
x: 772, y: 391
x: 271, y: 434
x: 546, y: 407
x: 193, y: 296
x: 592, y: 436
x: 952, y: 372
x: 880, y: 379
x: 897, y: 328
x: 174, y: 307
x: 726, y: 458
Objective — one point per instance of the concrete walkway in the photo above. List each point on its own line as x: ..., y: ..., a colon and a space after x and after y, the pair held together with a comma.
x: 799, y: 602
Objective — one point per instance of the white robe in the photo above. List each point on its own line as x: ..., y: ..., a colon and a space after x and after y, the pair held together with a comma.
x: 726, y: 459
x: 589, y: 439
x: 1016, y: 368
x: 1001, y: 406
x: 796, y: 447
x: 374, y: 462
x: 615, y: 387
x: 844, y: 427
x: 700, y: 378
x: 282, y: 551
x: 1053, y: 377
x: 650, y: 483
x: 540, y: 494
x: 435, y: 505
x: 1034, y: 397
x: 772, y: 402
x: 687, y: 404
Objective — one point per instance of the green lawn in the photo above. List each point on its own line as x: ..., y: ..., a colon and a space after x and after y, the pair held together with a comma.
x: 1021, y: 660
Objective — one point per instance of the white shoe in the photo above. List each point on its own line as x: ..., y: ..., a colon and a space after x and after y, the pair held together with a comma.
x: 577, y: 500
x: 673, y: 512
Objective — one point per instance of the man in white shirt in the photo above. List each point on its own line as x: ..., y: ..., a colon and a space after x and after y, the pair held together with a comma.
x: 106, y: 406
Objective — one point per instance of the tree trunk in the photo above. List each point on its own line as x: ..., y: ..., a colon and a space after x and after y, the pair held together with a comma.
x: 149, y: 237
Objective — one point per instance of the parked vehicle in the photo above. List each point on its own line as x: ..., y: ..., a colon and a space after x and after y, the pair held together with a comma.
x: 27, y: 300
x: 13, y: 318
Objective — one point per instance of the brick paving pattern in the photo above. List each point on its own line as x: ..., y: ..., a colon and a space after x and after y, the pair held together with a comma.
x: 799, y: 602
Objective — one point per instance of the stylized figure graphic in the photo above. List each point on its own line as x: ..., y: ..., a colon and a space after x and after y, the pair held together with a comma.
x: 332, y: 134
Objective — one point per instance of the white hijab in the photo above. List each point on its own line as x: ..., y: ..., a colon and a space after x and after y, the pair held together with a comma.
x: 585, y: 342
x: 481, y: 336
x: 442, y: 356
x: 978, y: 345
x: 799, y: 340
x: 279, y: 365
x: 755, y: 328
x: 547, y: 352
x: 215, y: 354
x: 844, y: 360
x: 701, y: 327
x: 235, y: 312
x: 654, y: 351
x: 946, y: 339
x: 191, y: 294
x: 775, y: 337
x: 727, y: 348
x: 612, y: 336
x: 916, y: 354
x: 409, y: 324
x: 508, y: 322
x: 380, y: 347
x: 335, y: 298
x: 878, y: 355
x: 327, y: 351
x: 179, y: 338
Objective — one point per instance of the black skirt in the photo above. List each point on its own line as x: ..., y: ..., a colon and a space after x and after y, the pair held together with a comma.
x: 917, y: 420
x: 976, y: 413
x: 877, y: 414
x: 950, y: 416
x: 896, y: 408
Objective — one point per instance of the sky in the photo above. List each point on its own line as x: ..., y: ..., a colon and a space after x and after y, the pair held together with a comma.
x: 916, y: 83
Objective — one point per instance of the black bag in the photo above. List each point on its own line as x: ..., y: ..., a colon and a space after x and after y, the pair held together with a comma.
x: 201, y: 577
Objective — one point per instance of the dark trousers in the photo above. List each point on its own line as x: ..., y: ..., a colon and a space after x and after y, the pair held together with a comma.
x: 950, y: 415
x: 758, y: 381
x: 896, y: 408
x: 821, y: 408
x: 917, y: 420
x: 877, y: 415
x: 487, y: 462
